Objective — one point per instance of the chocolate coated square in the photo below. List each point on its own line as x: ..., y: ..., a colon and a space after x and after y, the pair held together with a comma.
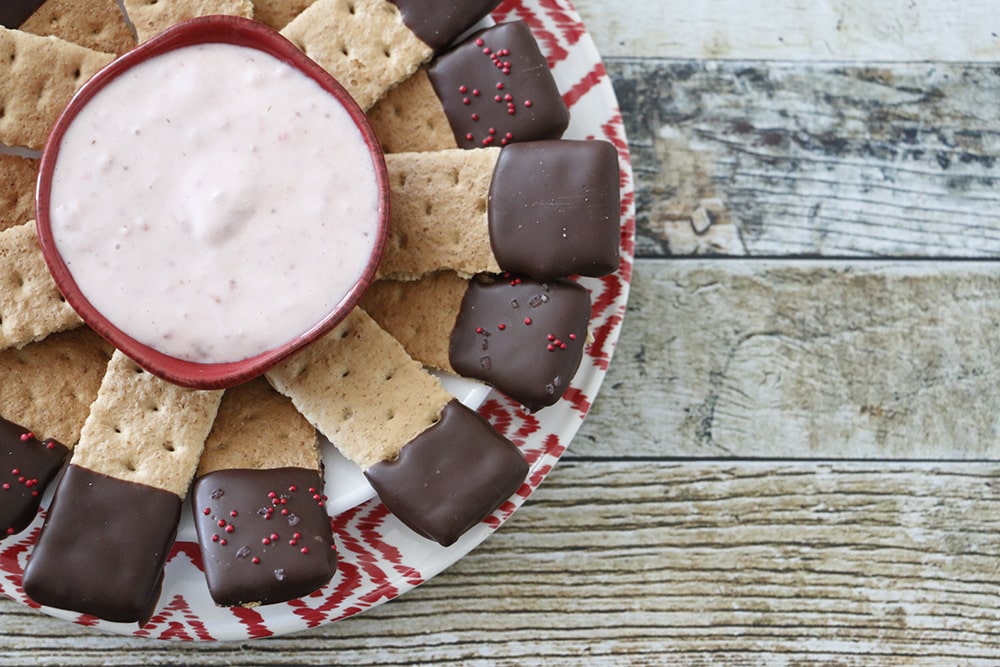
x: 451, y: 476
x: 554, y: 209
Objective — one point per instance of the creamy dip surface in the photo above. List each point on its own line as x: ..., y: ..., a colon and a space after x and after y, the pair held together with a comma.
x: 214, y: 202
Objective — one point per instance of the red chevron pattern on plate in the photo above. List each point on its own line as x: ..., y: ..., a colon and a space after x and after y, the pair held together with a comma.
x: 380, y: 559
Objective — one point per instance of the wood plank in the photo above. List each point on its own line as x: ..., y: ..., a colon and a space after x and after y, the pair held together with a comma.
x: 803, y: 359
x: 778, y: 159
x: 900, y: 30
x: 694, y: 563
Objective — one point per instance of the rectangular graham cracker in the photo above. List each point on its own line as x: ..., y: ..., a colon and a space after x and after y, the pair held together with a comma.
x: 48, y: 386
x: 38, y: 76
x: 438, y: 217
x: 279, y: 13
x: 95, y: 24
x: 420, y: 314
x: 31, y: 306
x: 364, y: 44
x: 145, y: 430
x: 410, y: 118
x: 151, y: 17
x: 361, y: 389
x: 17, y: 190
x: 258, y: 428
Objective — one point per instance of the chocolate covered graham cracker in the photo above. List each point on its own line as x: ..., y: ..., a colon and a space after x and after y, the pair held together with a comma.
x: 522, y: 336
x: 384, y: 412
x: 45, y: 397
x: 38, y: 76
x: 369, y: 46
x: 113, y: 518
x: 258, y: 502
x: 152, y: 18
x: 546, y: 209
x: 493, y: 89
x: 15, y: 12
x: 31, y: 306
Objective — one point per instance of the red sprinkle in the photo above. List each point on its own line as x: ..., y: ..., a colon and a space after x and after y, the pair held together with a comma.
x: 500, y: 86
x: 206, y: 511
x: 304, y: 550
x: 10, y: 531
x: 480, y: 42
x: 266, y: 540
x: 27, y: 436
x: 15, y: 471
x: 293, y: 488
x: 215, y: 538
x: 463, y: 89
x: 255, y: 560
x: 50, y: 445
x: 470, y: 136
x: 527, y: 103
x: 230, y: 528
x: 475, y: 92
x: 572, y: 336
x: 475, y: 116
x: 234, y: 513
x: 221, y: 523
x: 501, y: 326
x: 527, y: 320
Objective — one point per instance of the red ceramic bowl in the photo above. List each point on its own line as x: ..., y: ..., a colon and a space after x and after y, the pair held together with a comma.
x: 205, y: 30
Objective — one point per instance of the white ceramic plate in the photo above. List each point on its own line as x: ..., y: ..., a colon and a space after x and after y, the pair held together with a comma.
x: 381, y: 559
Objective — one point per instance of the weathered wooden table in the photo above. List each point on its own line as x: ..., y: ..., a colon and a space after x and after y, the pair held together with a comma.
x: 794, y: 459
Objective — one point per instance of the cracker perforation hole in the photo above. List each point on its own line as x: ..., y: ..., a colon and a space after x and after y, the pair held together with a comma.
x: 428, y: 207
x: 344, y: 373
x: 456, y: 177
x: 129, y: 465
x: 351, y: 9
x: 77, y: 74
x: 169, y: 447
x: 390, y: 415
x: 347, y: 413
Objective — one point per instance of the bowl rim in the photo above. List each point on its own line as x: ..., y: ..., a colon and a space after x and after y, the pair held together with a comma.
x: 237, y: 31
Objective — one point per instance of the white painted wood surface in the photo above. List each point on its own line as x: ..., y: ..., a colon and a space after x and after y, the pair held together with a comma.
x: 796, y: 30
x: 794, y: 457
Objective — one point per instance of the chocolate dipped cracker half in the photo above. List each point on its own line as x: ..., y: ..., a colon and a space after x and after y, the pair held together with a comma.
x: 544, y: 209
x: 438, y: 466
x: 493, y: 89
x: 372, y: 45
x: 522, y: 336
x: 44, y: 401
x: 258, y: 502
x: 114, y: 515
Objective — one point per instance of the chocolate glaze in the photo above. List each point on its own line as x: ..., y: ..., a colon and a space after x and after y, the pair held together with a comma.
x: 451, y: 476
x: 554, y: 209
x: 471, y: 77
x: 15, y: 12
x: 237, y: 519
x: 522, y: 336
x: 103, y: 547
x: 438, y: 23
x: 27, y: 465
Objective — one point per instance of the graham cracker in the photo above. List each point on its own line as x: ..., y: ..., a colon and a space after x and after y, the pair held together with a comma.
x: 151, y: 17
x: 145, y: 430
x: 438, y: 217
x: 95, y: 24
x: 279, y: 13
x: 361, y: 389
x: 420, y: 314
x: 48, y: 386
x: 411, y: 118
x: 38, y: 76
x: 258, y: 428
x: 17, y: 190
x: 31, y: 306
x: 364, y: 44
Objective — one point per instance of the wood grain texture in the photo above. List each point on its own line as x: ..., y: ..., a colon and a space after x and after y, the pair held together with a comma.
x: 856, y: 30
x: 800, y: 359
x: 777, y: 159
x: 653, y: 563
